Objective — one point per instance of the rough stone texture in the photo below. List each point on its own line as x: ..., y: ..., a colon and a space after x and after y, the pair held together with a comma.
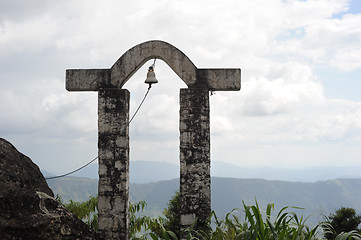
x: 195, y: 189
x: 134, y: 58
x: 19, y: 172
x: 87, y: 79
x: 113, y: 130
x: 27, y: 207
x: 220, y: 79
x: 113, y: 144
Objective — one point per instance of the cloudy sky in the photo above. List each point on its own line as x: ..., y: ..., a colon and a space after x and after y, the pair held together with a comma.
x: 299, y: 106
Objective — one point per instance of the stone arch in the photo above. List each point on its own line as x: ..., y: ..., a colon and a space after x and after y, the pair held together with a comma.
x: 132, y: 60
x: 113, y: 131
x: 214, y: 79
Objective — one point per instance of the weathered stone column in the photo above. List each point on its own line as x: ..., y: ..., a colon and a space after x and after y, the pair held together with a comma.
x: 113, y: 145
x: 195, y: 189
x: 113, y: 131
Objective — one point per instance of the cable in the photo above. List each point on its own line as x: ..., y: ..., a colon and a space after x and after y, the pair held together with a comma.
x: 66, y: 174
x: 141, y: 103
x: 48, y: 178
x: 131, y: 119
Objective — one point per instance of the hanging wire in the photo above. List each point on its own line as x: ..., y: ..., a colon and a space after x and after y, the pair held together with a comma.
x: 48, y: 178
x: 66, y: 174
x: 78, y: 169
x: 131, y: 119
x: 141, y: 103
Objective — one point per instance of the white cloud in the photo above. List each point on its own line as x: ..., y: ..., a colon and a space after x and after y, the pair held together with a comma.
x: 325, y: 40
x: 328, y: 122
x: 284, y: 88
x: 27, y: 37
x: 279, y: 45
x: 324, y: 134
x: 347, y: 59
x: 75, y: 112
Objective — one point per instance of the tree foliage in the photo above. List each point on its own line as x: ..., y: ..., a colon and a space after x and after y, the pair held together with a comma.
x: 344, y: 220
x: 86, y: 211
x: 172, y: 215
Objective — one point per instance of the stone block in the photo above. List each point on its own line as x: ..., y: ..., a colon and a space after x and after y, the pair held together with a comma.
x: 221, y: 79
x: 187, y: 219
x: 87, y: 79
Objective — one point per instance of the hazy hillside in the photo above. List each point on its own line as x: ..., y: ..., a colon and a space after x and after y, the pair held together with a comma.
x: 316, y: 198
x: 309, y: 174
x: 77, y: 189
x: 228, y: 193
x: 144, y: 171
x: 139, y: 172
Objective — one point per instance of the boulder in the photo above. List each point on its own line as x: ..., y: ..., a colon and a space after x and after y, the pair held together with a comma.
x: 28, y: 209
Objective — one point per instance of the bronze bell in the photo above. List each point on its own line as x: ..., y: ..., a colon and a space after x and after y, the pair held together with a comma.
x: 151, y: 76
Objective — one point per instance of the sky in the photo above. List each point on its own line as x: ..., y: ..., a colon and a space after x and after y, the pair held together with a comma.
x: 299, y: 104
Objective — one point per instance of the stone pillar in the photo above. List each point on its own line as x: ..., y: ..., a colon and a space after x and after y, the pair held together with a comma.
x: 195, y: 189
x: 113, y: 145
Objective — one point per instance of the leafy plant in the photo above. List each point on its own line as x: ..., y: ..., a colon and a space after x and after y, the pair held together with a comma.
x: 137, y: 224
x: 86, y: 211
x: 170, y: 220
x: 330, y: 232
x: 259, y: 226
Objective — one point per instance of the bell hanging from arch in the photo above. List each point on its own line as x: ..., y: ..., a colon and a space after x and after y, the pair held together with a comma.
x: 151, y: 76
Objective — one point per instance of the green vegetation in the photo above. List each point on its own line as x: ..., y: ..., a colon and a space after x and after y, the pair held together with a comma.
x: 172, y: 215
x: 286, y: 225
x: 343, y: 221
x: 257, y: 225
x: 316, y: 198
x: 86, y: 211
x: 76, y: 189
x: 168, y: 224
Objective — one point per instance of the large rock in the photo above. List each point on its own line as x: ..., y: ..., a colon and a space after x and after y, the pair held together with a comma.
x: 28, y: 209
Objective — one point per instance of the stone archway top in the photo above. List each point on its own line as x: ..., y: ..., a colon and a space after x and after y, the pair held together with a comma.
x: 132, y: 60
x: 135, y: 58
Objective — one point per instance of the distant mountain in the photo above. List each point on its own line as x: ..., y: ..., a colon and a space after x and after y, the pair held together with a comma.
x: 310, y: 174
x: 74, y: 188
x: 145, y: 171
x: 140, y: 171
x: 321, y: 197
